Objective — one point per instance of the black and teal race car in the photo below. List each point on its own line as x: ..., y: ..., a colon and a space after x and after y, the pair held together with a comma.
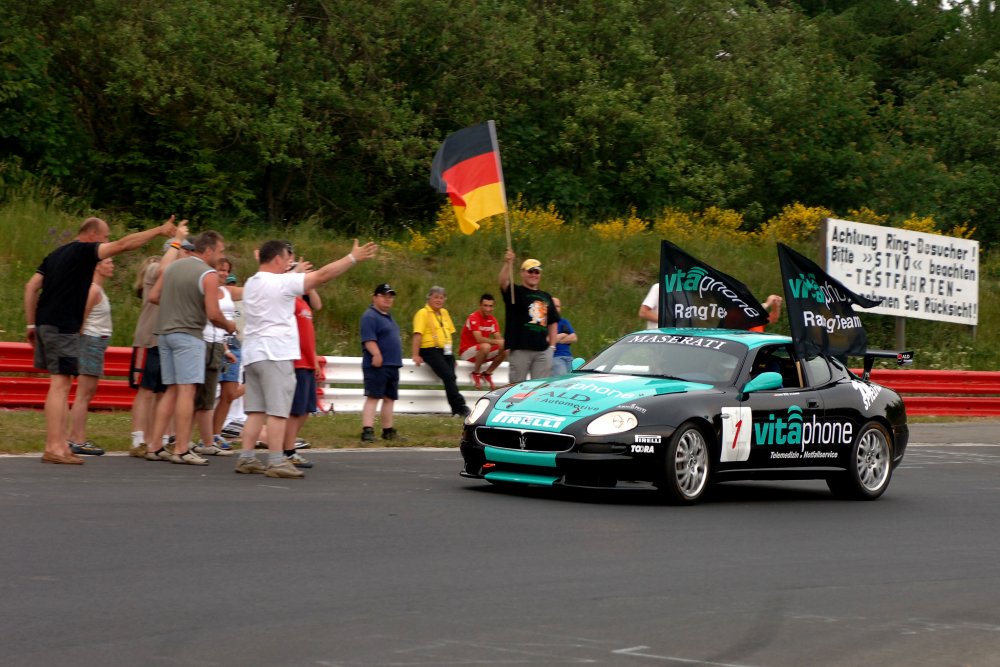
x: 680, y: 409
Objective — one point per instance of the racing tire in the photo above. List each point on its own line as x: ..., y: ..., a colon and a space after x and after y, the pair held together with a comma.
x: 687, y: 466
x: 869, y: 468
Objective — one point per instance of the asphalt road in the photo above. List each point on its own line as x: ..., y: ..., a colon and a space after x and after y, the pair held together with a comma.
x: 388, y: 557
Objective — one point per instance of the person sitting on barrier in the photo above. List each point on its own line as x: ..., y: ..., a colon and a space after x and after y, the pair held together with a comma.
x: 432, y: 336
x: 481, y: 341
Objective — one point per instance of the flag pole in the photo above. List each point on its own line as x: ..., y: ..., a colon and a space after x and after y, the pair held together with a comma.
x: 503, y: 193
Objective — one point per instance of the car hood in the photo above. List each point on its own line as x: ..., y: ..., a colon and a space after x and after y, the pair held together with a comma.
x: 553, y: 404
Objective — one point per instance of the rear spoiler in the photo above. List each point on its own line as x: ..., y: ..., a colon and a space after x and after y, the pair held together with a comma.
x: 902, y: 358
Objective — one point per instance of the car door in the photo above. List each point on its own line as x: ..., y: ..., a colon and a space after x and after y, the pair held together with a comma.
x: 778, y: 420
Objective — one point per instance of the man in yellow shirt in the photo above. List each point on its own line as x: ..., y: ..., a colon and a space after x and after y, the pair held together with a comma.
x: 432, y: 334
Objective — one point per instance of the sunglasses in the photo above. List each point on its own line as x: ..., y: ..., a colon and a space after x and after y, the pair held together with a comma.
x: 534, y: 270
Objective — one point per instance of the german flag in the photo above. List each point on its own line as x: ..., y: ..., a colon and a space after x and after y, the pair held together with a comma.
x: 467, y: 169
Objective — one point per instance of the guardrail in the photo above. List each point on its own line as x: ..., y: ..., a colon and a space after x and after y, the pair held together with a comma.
x: 421, y: 392
x: 944, y: 393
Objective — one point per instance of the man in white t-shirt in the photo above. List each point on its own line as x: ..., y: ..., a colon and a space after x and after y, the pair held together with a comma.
x: 649, y: 311
x: 271, y: 346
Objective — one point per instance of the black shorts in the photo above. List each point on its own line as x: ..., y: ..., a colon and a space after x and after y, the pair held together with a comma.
x: 382, y: 382
x: 304, y: 401
x: 57, y: 353
x: 150, y: 377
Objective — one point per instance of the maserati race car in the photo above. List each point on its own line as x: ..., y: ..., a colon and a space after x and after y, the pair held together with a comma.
x: 679, y: 409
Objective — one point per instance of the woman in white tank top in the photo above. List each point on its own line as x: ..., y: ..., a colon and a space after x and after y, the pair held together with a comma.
x: 94, y: 338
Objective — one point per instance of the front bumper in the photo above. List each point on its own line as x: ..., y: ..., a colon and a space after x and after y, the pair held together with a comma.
x: 572, y: 469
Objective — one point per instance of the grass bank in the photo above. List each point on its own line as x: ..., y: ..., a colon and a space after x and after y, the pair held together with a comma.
x: 600, y: 278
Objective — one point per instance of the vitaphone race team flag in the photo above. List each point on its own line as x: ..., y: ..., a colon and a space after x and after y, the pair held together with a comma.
x: 819, y: 309
x: 467, y: 169
x: 693, y: 294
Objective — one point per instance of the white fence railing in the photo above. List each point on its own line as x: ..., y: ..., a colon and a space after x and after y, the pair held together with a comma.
x: 420, y: 392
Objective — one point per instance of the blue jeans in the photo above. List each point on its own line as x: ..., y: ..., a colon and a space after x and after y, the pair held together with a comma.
x: 561, y: 365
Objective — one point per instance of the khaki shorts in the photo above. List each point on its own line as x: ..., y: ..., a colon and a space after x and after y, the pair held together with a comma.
x: 204, y: 399
x: 270, y: 387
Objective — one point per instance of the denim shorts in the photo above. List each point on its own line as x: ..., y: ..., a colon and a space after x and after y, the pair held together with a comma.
x: 91, y: 361
x: 182, y: 358
x: 231, y: 370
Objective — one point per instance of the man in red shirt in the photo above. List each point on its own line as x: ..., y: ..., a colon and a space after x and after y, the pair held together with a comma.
x: 481, y: 341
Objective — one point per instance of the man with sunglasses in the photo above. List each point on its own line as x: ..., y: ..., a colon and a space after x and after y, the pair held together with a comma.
x: 532, y: 320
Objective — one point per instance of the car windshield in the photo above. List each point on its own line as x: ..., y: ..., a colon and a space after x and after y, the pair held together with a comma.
x: 692, y: 358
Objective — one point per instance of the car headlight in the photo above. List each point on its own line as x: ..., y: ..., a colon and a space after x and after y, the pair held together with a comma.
x: 482, y: 405
x: 613, y: 422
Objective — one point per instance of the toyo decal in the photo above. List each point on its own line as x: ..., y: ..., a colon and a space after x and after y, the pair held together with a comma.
x: 791, y: 429
x: 869, y: 392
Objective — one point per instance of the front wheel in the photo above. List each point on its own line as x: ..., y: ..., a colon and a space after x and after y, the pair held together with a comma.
x: 687, y: 466
x: 870, y: 466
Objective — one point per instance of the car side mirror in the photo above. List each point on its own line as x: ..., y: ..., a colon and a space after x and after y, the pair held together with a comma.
x: 763, y: 382
x: 579, y: 361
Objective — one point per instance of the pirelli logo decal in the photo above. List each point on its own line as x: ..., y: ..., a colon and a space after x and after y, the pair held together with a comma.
x: 530, y: 419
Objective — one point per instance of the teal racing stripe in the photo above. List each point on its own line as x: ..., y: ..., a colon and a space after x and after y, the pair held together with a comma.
x: 520, y: 478
x: 517, y: 457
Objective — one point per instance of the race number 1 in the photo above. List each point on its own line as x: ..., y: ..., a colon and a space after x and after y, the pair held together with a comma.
x: 736, y: 426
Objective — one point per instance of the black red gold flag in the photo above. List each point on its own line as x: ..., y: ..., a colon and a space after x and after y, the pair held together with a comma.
x: 467, y: 169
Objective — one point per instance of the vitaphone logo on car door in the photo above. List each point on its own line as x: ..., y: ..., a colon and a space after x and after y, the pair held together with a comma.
x: 790, y: 430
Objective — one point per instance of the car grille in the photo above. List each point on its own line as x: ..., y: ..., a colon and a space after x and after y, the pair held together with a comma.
x: 529, y: 441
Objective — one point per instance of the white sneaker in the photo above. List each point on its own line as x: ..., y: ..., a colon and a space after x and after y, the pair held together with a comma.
x: 285, y: 470
x: 211, y: 450
x: 190, y: 458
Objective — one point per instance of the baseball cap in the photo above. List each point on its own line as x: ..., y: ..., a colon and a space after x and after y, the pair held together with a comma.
x: 531, y: 264
x: 384, y: 288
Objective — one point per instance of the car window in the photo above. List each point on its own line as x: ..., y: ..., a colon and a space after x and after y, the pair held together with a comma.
x: 657, y: 356
x: 818, y: 371
x: 777, y: 359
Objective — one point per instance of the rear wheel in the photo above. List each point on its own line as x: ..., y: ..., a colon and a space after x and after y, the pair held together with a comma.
x: 870, y: 466
x: 687, y: 466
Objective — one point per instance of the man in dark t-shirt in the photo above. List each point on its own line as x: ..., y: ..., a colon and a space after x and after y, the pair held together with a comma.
x: 54, y: 301
x: 532, y: 321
